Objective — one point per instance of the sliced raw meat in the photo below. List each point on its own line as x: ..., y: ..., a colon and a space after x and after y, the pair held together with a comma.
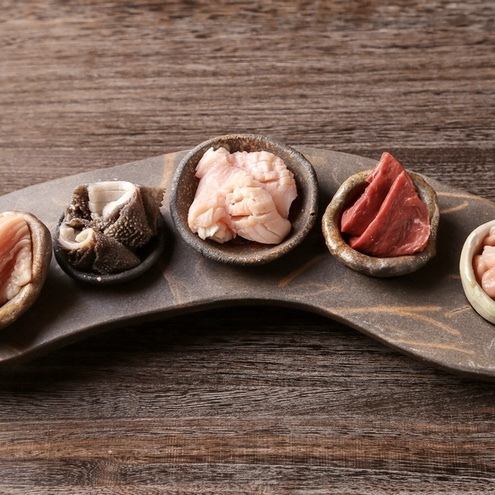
x: 357, y: 218
x: 401, y: 226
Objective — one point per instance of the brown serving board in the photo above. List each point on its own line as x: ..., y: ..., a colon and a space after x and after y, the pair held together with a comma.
x: 424, y: 314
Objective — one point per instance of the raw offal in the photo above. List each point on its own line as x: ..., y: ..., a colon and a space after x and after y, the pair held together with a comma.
x: 16, y: 256
x: 246, y: 194
x: 273, y: 175
x: 253, y: 216
x: 484, y: 264
x: 108, y: 224
x: 389, y: 218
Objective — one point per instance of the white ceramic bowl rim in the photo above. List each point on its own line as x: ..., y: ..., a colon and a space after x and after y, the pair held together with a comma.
x: 478, y: 298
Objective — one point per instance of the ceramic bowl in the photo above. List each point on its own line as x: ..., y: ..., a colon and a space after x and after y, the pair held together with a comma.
x: 238, y: 252
x: 149, y: 256
x: 369, y: 265
x: 483, y: 304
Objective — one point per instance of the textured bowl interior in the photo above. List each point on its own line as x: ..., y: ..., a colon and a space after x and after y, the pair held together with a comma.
x: 152, y: 253
x: 369, y: 265
x: 302, y: 213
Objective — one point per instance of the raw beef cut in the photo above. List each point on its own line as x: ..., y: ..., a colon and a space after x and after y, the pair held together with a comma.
x: 389, y: 219
x: 401, y: 226
x: 356, y: 219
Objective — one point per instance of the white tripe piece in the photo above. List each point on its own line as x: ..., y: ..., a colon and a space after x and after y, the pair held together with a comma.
x: 71, y: 239
x: 107, y: 197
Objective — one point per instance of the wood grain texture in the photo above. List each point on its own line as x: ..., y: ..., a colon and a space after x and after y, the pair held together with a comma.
x: 231, y: 401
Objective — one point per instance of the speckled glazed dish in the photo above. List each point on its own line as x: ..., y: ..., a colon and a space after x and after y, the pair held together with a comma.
x: 239, y: 252
x: 149, y: 256
x: 369, y: 265
x: 477, y: 297
x: 42, y: 253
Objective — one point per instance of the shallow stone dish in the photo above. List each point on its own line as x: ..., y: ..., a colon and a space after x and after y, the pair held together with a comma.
x: 482, y: 303
x: 42, y: 254
x: 240, y: 252
x: 426, y: 316
x: 370, y: 265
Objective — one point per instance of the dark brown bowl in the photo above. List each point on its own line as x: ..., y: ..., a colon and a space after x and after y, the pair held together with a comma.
x: 377, y: 267
x: 149, y: 256
x: 302, y: 214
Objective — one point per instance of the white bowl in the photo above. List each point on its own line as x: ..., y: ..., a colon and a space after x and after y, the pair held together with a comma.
x: 478, y: 298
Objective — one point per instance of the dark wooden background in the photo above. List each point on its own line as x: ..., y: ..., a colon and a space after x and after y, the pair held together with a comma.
x: 244, y: 400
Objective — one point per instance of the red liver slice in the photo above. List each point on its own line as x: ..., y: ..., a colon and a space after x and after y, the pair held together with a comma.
x: 401, y: 226
x: 357, y: 218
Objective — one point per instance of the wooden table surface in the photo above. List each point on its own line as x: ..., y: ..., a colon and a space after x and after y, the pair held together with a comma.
x: 244, y: 400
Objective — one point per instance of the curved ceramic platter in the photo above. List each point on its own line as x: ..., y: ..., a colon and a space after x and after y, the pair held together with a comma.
x: 424, y: 314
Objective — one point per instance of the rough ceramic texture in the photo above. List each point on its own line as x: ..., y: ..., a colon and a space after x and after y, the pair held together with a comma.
x: 475, y: 294
x: 370, y: 265
x: 302, y: 214
x: 424, y: 314
x: 42, y: 253
x: 154, y: 252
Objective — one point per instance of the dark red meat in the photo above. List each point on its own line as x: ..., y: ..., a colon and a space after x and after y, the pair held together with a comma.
x: 401, y: 226
x: 356, y: 219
